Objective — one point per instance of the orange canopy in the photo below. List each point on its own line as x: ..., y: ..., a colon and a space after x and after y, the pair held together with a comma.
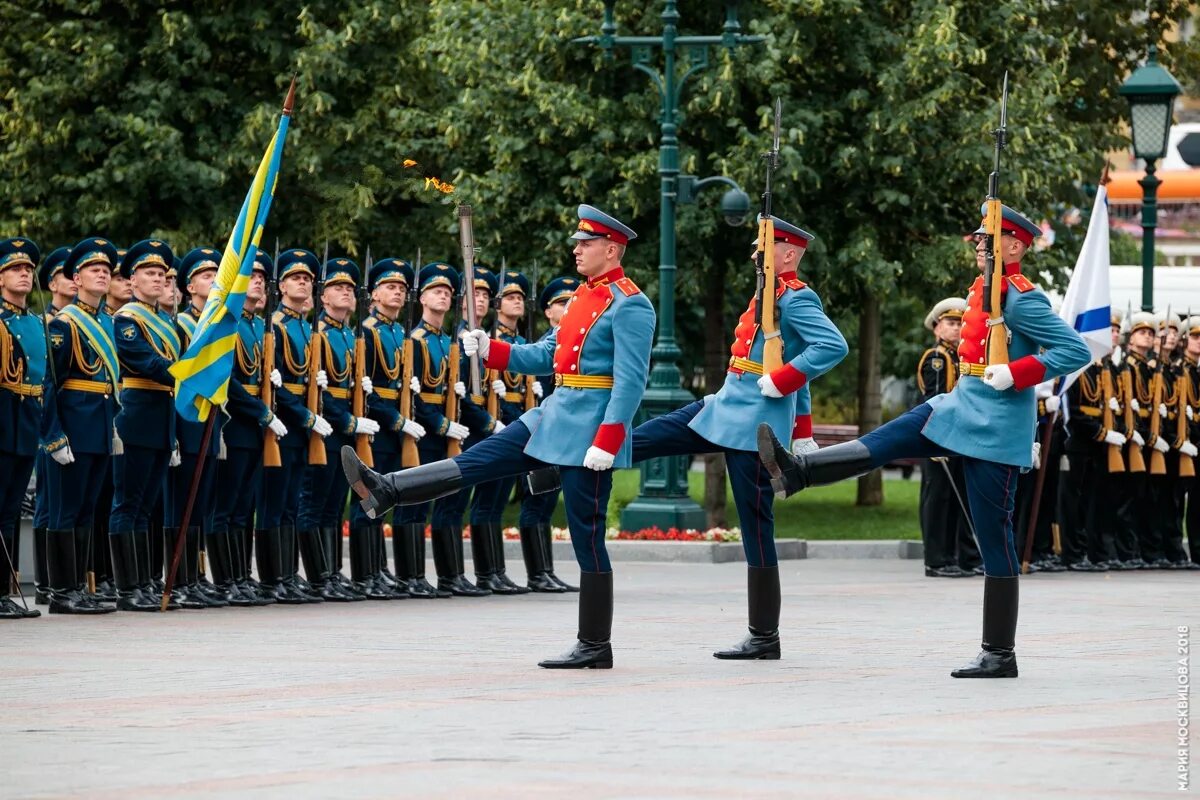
x: 1178, y: 186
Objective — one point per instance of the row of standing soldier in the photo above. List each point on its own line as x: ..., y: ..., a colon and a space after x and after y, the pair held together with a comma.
x: 86, y: 400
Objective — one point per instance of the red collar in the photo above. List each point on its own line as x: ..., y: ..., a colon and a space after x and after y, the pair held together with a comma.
x: 786, y: 276
x: 612, y: 276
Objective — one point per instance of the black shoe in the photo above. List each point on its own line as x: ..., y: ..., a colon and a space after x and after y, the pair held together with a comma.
x: 989, y: 664
x: 1051, y: 565
x: 791, y: 474
x: 1137, y: 563
x: 62, y: 576
x: 459, y: 586
x: 448, y: 560
x: 1160, y: 563
x: 1083, y: 565
x: 537, y: 569
x: 10, y: 610
x: 378, y: 493
x: 547, y: 541
x: 127, y: 575
x: 763, y: 601
x: 593, y: 649
x: 758, y: 646
x: 947, y: 571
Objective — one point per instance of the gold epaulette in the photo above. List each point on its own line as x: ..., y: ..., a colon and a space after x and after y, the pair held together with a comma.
x: 418, y: 334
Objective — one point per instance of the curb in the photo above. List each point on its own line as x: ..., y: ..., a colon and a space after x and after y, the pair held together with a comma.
x: 728, y: 552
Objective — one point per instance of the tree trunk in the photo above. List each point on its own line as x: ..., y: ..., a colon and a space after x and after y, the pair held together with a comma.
x: 715, y: 362
x: 870, y: 409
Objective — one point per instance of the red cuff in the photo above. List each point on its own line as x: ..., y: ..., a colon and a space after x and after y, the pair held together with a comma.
x: 802, y: 429
x: 1026, y: 372
x: 610, y: 437
x: 788, y: 379
x: 498, y: 353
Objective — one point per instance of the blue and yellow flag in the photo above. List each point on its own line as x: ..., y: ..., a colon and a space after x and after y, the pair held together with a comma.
x: 202, y: 373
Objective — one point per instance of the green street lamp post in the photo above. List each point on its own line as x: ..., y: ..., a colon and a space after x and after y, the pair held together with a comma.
x: 663, y: 495
x: 1151, y: 92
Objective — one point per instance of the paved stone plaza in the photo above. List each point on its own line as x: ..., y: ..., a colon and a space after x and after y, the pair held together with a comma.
x: 442, y: 698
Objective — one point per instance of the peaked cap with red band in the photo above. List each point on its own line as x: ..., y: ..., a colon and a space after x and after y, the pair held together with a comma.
x: 1013, y: 224
x: 595, y: 224
x: 787, y: 232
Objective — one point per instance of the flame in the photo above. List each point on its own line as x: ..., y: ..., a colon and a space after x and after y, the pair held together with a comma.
x: 408, y: 162
x: 431, y: 181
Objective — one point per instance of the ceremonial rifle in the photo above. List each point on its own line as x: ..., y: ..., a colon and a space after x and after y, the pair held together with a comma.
x: 266, y: 392
x: 316, y: 443
x: 764, y: 291
x: 1158, y: 462
x: 409, y: 457
x: 1187, y: 467
x: 1116, y: 463
x: 993, y: 273
x: 493, y: 375
x: 362, y: 442
x: 466, y: 240
x: 530, y: 397
x: 1136, y: 462
x: 453, y: 370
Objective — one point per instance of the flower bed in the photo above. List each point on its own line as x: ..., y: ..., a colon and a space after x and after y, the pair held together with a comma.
x: 654, y: 534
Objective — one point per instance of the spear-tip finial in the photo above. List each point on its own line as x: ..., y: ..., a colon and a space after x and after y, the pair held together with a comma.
x: 290, y: 100
x: 1104, y: 178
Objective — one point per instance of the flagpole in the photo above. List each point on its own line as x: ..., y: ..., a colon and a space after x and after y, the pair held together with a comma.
x: 187, y: 510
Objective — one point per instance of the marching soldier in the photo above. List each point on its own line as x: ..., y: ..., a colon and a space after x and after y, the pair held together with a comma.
x: 229, y: 539
x: 22, y: 402
x: 146, y: 434
x: 988, y: 419
x: 324, y: 491
x: 275, y: 537
x: 944, y: 530
x: 1190, y: 403
x: 62, y: 294
x: 78, y: 438
x: 537, y: 509
x: 600, y: 356
x: 505, y: 393
x: 726, y: 422
x: 388, y: 283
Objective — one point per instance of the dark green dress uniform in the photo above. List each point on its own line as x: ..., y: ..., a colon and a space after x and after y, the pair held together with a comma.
x: 950, y: 550
x: 324, y: 490
x: 22, y: 403
x: 385, y: 367
x: 79, y: 419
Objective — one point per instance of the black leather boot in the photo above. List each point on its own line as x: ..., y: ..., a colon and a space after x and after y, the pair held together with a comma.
x: 496, y: 531
x: 187, y: 577
x: 241, y: 543
x: 130, y: 597
x: 762, y: 597
x: 384, y: 575
x: 997, y: 659
x: 790, y: 474
x: 85, y: 560
x: 155, y: 541
x: 483, y: 555
x: 453, y: 579
x: 536, y: 571
x: 378, y: 493
x: 331, y: 545
x: 269, y: 557
x: 289, y: 558
x: 547, y: 541
x: 408, y: 548
x: 41, y: 583
x: 362, y: 565
x: 222, y: 555
x: 62, y: 571
x: 593, y: 650
x: 151, y: 590
x: 9, y: 608
x: 106, y: 590
x: 317, y: 567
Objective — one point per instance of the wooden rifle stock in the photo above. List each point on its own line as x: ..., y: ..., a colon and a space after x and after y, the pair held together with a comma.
x: 267, y: 395
x: 493, y: 399
x: 1116, y: 462
x: 408, y: 447
x: 997, y: 335
x: 316, y: 442
x: 1158, y: 463
x: 1136, y: 462
x: 358, y: 405
x: 453, y: 446
x: 768, y: 324
x: 1187, y: 467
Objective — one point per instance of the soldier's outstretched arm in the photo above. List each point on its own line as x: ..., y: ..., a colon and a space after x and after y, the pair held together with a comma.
x: 804, y: 320
x: 1064, y: 351
x: 535, y: 358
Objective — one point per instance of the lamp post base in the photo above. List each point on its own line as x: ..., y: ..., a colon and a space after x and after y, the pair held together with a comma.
x: 663, y: 499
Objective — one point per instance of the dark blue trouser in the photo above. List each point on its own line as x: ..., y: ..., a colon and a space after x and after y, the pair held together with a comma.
x: 669, y: 435
x: 538, y: 509
x: 238, y: 476
x: 73, y: 491
x: 489, y: 499
x: 279, y: 497
x: 41, y: 504
x: 138, y: 478
x: 385, y: 462
x: 585, y: 491
x: 324, y: 489
x: 991, y: 487
x: 179, y: 485
x: 14, y: 480
x: 448, y: 511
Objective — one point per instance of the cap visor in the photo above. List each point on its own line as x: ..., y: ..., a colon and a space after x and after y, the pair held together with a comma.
x: 585, y: 236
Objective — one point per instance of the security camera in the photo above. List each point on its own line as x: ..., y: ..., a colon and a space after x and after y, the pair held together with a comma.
x: 735, y: 207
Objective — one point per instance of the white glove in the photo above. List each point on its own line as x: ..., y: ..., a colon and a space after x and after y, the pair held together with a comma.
x: 368, y: 387
x: 1116, y: 356
x: 176, y: 458
x: 321, y: 427
x: 457, y: 431
x: 1162, y: 410
x: 415, y: 384
x: 1160, y: 444
x: 768, y: 388
x: 460, y: 389
x: 412, y: 429
x: 498, y: 387
x: 476, y: 341
x: 1137, y: 439
x: 63, y: 455
x: 498, y: 426
x: 118, y: 447
x: 276, y: 379
x: 538, y: 391
x: 1045, y: 390
x: 222, y: 452
x: 802, y: 446
x: 322, y: 379
x: 1188, y: 411
x: 1112, y: 437
x: 1114, y: 404
x: 366, y: 425
x: 1134, y: 404
x: 1188, y: 449
x: 1037, y: 454
x: 1052, y: 404
x: 999, y: 377
x: 598, y: 459
x: 277, y: 427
